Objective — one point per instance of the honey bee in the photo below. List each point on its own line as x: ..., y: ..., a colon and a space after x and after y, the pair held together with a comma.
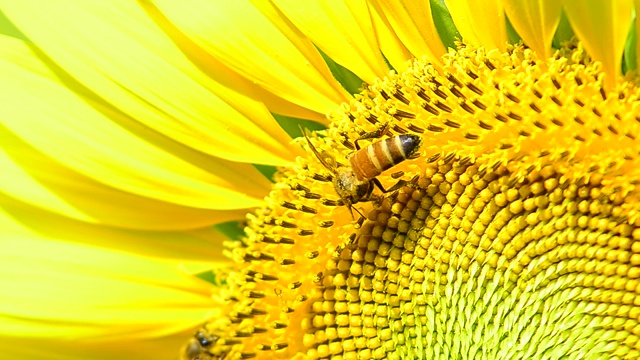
x: 197, y: 348
x: 354, y: 183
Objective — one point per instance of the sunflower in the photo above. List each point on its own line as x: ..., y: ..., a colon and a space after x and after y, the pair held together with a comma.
x: 158, y: 195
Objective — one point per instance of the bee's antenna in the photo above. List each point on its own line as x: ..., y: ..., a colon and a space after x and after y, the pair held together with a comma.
x: 351, y: 209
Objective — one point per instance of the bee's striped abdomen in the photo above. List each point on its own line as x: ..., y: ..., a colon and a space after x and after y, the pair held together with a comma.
x: 372, y: 160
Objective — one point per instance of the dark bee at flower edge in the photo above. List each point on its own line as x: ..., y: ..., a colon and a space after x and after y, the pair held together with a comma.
x: 198, y: 347
x: 354, y: 183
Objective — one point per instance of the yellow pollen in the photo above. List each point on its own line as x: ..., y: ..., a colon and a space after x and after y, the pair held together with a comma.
x: 519, y: 238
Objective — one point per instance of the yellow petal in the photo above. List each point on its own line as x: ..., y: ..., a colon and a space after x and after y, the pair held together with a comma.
x: 480, y: 22
x: 343, y: 30
x: 201, y: 245
x: 158, y: 348
x: 35, y: 179
x: 254, y: 40
x: 413, y: 24
x: 120, y: 54
x: 54, y: 290
x: 393, y: 49
x: 535, y: 21
x: 69, y: 194
x: 602, y: 26
x: 38, y: 112
x: 223, y: 75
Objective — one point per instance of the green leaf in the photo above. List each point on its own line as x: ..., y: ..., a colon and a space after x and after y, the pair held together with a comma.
x: 512, y: 34
x: 267, y: 170
x: 630, y: 61
x: 213, y: 278
x: 444, y: 24
x: 234, y: 230
x: 564, y: 32
x: 350, y: 81
x: 292, y: 125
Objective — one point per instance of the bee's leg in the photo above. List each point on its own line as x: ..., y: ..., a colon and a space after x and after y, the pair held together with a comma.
x: 357, y: 224
x: 346, y: 202
x: 380, y: 132
x: 349, y: 205
x: 395, y: 187
x: 376, y: 200
x: 351, y: 209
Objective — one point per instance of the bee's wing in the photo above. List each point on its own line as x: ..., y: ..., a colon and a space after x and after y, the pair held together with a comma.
x: 326, y: 159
